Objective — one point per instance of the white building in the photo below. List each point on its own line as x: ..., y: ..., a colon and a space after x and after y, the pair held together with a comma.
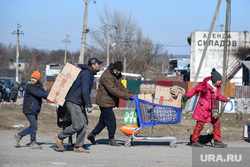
x: 237, y: 41
x: 53, y: 69
x: 22, y: 64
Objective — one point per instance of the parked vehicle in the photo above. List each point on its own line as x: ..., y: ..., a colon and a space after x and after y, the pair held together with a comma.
x: 11, y: 87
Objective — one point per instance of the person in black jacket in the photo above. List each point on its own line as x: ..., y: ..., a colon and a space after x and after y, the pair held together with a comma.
x: 32, y: 101
x: 21, y: 88
x: 77, y: 98
x: 3, y: 94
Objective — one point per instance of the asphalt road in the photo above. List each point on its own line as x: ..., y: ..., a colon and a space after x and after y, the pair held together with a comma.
x: 141, y: 154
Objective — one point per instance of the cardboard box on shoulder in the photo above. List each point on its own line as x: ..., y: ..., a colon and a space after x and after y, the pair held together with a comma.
x: 63, y: 83
x: 71, y: 71
x: 57, y: 96
x: 162, y: 92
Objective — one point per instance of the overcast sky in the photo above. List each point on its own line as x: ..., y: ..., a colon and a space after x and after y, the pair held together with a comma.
x: 45, y: 23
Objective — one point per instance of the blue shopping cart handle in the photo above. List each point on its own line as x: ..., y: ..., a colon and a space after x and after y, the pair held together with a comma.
x: 133, y: 98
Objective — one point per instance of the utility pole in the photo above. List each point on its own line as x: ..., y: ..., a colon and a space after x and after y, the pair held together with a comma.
x: 224, y: 75
x: 108, y: 46
x: 221, y: 27
x: 125, y: 57
x: 84, y: 31
x: 205, y: 49
x: 108, y: 41
x: 65, y: 55
x: 17, y: 50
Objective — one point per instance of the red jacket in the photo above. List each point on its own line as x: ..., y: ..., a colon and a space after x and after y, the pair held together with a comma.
x: 203, y: 111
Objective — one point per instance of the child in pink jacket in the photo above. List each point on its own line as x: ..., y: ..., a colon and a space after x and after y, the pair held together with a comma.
x: 210, y: 87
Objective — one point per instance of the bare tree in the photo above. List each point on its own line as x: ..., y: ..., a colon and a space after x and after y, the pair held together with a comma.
x: 128, y: 40
x: 122, y: 29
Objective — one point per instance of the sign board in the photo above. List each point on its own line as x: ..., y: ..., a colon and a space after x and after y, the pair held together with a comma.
x: 215, y: 51
x: 230, y: 107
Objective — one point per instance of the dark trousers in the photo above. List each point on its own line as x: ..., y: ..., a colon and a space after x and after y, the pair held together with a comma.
x: 107, y: 118
x: 199, y: 126
x: 32, y: 128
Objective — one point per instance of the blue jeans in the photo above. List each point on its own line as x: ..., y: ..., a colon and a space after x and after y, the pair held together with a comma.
x: 107, y: 118
x: 21, y: 93
x: 32, y: 128
x: 79, y: 124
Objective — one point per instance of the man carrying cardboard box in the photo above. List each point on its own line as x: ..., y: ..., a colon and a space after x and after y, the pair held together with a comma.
x: 77, y: 98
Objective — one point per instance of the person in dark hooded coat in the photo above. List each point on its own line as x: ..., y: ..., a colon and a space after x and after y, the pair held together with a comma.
x: 109, y: 91
x: 77, y: 98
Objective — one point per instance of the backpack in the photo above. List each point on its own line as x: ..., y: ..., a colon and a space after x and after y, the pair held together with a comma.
x: 63, y: 116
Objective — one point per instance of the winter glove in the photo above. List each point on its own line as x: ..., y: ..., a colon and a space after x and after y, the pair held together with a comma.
x: 131, y: 95
x: 185, y: 98
x: 89, y: 109
x: 228, y: 99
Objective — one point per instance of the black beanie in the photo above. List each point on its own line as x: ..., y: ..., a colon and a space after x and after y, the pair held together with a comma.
x: 118, y: 65
x: 215, y: 75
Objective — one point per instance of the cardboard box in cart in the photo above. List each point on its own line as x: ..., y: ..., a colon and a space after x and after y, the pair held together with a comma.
x: 161, y: 102
x: 141, y: 96
x: 63, y: 83
x: 149, y: 98
x: 162, y: 95
x: 162, y: 92
x: 175, y: 102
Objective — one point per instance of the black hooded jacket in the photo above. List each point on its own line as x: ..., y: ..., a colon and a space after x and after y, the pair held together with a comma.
x: 80, y: 91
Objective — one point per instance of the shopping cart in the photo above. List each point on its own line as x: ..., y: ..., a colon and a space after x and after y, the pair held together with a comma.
x: 150, y: 114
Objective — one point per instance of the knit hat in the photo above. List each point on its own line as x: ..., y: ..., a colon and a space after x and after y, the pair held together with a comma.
x: 36, y: 75
x: 215, y: 75
x: 118, y: 65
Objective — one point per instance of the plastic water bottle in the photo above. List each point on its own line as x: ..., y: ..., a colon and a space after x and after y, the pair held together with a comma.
x: 126, y: 117
x: 135, y: 116
x: 131, y: 116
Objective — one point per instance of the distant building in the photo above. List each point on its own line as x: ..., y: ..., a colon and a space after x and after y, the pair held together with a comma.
x: 181, y: 66
x: 53, y: 69
x: 22, y: 64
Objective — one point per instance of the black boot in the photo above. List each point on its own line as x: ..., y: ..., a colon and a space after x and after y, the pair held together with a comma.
x: 112, y: 142
x: 91, y: 137
x: 196, y: 144
x: 219, y: 144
